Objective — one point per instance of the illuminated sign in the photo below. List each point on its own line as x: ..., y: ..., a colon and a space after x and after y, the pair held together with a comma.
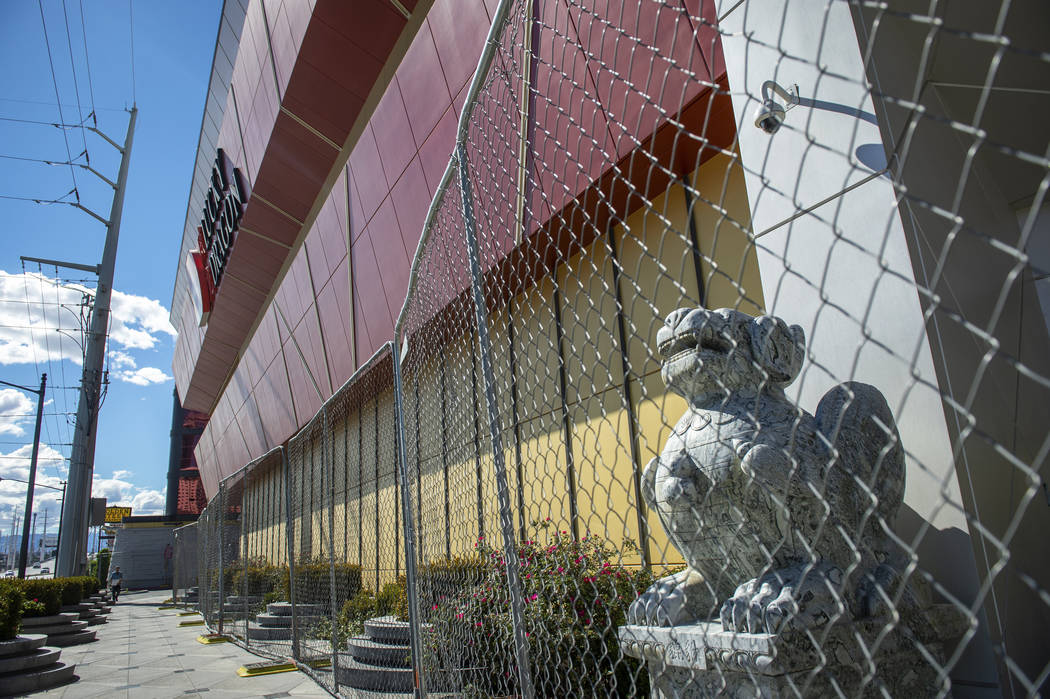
x: 223, y: 209
x: 117, y: 514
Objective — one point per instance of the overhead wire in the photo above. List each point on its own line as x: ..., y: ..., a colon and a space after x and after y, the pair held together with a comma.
x: 87, y: 64
x: 76, y: 83
x: 43, y: 123
x: 61, y: 364
x: 47, y: 345
x: 37, y: 160
x: 35, y: 200
x: 49, y: 104
x: 58, y: 99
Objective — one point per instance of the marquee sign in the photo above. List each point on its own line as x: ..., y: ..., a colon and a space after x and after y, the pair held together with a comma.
x: 224, y: 205
x: 117, y: 514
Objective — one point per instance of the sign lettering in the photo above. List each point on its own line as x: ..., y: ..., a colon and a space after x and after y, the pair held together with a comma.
x: 117, y: 514
x: 224, y: 205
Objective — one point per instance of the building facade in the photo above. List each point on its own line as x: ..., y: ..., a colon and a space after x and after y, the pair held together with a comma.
x: 619, y: 171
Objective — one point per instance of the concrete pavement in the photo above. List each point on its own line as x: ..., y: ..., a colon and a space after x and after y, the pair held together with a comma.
x: 143, y: 653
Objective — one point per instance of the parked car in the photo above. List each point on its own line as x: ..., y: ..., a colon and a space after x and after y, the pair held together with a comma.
x: 45, y: 570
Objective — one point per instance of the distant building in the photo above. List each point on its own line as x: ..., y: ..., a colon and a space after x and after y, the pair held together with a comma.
x: 185, y: 494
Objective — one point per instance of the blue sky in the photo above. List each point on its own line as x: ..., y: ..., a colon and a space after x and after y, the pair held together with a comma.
x: 39, y: 324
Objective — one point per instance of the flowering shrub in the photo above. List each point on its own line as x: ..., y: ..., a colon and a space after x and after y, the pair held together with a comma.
x: 48, y: 593
x: 33, y: 607
x: 576, y: 594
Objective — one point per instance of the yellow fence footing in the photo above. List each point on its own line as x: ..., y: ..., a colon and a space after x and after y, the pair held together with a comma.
x: 195, y: 622
x: 256, y: 669
x: 209, y: 638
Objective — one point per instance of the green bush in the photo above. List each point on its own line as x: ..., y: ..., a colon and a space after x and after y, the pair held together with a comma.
x: 313, y: 582
x: 576, y: 595
x: 47, y: 592
x: 256, y: 577
x: 392, y: 600
x: 71, y: 590
x: 11, y: 601
x: 89, y: 584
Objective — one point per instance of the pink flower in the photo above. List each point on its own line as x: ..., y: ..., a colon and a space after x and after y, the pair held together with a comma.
x: 434, y: 607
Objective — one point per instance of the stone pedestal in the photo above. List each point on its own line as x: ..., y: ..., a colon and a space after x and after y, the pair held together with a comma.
x: 702, y: 660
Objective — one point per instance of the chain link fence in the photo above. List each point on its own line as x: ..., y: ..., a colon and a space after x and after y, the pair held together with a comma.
x: 184, y: 589
x: 722, y: 369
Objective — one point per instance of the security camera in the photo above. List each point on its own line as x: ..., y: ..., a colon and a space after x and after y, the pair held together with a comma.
x: 770, y: 116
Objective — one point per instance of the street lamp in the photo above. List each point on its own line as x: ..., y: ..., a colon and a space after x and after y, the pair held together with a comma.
x: 24, y: 550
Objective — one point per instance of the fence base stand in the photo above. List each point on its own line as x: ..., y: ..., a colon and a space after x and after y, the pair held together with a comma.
x: 703, y: 660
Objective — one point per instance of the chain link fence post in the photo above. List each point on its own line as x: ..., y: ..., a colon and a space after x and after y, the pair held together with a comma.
x: 506, y: 518
x: 289, y: 527
x: 328, y: 466
x: 411, y: 586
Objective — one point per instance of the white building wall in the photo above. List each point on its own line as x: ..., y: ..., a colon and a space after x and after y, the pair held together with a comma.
x: 842, y: 270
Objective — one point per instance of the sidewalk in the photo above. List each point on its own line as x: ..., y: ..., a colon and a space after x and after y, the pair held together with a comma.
x: 143, y: 653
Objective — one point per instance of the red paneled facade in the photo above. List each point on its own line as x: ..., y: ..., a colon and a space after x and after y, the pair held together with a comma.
x: 342, y: 114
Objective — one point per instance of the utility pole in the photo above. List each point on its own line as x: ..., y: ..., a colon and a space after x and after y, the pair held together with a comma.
x: 72, y: 553
x: 43, y: 540
x: 32, y: 467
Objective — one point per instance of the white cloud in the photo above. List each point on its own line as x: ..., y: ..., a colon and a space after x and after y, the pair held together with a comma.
x: 119, y: 490
x: 121, y: 360
x: 16, y: 409
x: 143, y: 377
x: 13, y: 493
x: 39, y: 317
x: 137, y: 320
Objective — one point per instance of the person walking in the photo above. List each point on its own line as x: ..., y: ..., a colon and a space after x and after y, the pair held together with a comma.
x: 115, y: 578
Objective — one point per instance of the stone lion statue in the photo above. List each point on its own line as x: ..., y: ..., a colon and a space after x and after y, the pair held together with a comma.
x: 781, y: 516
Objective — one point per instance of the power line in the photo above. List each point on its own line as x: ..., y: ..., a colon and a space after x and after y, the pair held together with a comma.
x: 58, y: 100
x: 42, y: 201
x: 76, y: 83
x: 87, y: 63
x: 50, y: 104
x: 36, y: 160
x: 43, y: 123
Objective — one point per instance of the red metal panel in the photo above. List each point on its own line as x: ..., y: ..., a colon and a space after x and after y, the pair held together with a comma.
x: 410, y: 205
x: 275, y: 401
x: 294, y: 169
x: 327, y: 117
x: 422, y: 87
x: 363, y: 345
x: 314, y: 245
x: 435, y: 152
x: 368, y: 175
x: 304, y: 395
x: 333, y: 309
x: 393, y: 136
x: 252, y: 430
x: 374, y: 25
x: 289, y: 300
x: 393, y: 260
x: 284, y: 46
x: 459, y: 28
